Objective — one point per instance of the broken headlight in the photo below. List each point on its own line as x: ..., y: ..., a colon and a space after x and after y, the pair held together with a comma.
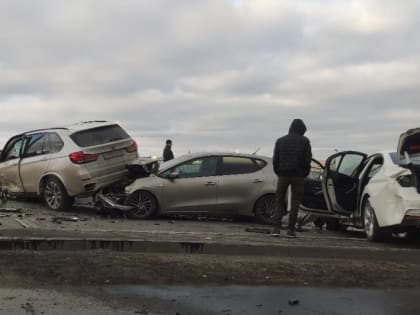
x: 406, y: 181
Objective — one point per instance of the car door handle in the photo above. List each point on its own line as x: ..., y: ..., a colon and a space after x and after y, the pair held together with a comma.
x: 257, y: 181
x: 210, y: 183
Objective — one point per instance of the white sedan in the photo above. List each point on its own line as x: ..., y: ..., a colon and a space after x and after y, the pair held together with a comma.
x: 380, y: 193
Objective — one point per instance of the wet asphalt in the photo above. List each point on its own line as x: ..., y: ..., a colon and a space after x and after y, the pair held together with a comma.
x: 264, y: 300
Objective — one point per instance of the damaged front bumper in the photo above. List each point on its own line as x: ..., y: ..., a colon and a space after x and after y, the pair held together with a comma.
x: 107, y: 202
x: 113, y: 196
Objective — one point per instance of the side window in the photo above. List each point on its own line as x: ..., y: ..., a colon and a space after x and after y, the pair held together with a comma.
x: 12, y: 150
x: 201, y: 167
x: 238, y: 165
x: 349, y: 164
x: 334, y: 163
x: 375, y: 167
x: 36, y: 144
x: 56, y: 144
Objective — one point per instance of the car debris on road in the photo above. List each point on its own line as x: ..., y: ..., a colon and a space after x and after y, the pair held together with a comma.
x: 11, y: 210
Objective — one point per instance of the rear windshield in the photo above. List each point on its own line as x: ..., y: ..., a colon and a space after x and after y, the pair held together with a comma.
x: 98, y: 136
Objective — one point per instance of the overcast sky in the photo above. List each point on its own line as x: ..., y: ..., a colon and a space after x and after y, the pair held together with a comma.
x: 214, y: 74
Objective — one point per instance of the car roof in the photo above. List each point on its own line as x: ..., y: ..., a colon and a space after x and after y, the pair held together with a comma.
x: 169, y: 164
x: 74, y: 127
x: 217, y: 153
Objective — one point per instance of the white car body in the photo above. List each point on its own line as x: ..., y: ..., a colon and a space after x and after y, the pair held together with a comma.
x: 393, y: 203
x: 380, y: 193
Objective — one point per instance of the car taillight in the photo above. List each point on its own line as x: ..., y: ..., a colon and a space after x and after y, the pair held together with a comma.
x: 132, y: 147
x: 81, y: 157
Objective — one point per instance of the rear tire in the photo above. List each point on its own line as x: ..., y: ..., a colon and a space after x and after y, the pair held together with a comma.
x: 264, y: 209
x: 144, y: 203
x: 55, y: 195
x: 372, y: 230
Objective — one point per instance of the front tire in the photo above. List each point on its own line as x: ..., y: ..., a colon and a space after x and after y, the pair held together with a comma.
x: 144, y: 203
x: 372, y: 230
x: 264, y: 209
x: 55, y: 195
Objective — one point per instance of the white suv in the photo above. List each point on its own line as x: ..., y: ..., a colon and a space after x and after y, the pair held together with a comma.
x: 61, y: 163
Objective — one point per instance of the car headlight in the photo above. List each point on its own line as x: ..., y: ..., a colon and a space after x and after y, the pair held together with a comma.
x: 406, y: 181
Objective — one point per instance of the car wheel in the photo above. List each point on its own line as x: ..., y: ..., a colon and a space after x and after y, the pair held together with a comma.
x: 264, y: 209
x: 372, y: 230
x: 55, y: 195
x: 144, y: 203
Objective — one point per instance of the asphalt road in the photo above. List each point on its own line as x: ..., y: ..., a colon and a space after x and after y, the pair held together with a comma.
x: 208, y: 300
x: 247, y: 272
x: 263, y: 300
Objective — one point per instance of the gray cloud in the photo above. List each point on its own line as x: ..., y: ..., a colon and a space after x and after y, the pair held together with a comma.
x: 214, y: 75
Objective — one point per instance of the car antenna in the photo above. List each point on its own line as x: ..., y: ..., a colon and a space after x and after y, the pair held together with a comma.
x: 258, y: 149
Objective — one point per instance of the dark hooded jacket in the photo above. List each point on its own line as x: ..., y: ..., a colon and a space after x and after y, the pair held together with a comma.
x: 292, y: 153
x: 167, y: 154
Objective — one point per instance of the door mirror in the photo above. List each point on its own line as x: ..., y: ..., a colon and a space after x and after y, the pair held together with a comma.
x: 173, y: 175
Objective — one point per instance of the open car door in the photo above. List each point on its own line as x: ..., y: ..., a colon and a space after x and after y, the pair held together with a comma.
x: 408, y: 153
x: 313, y: 198
x: 341, y: 180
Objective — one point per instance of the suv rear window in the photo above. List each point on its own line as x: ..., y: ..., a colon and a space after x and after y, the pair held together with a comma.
x: 99, y: 135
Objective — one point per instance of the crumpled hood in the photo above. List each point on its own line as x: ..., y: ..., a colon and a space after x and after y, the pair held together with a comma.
x: 297, y: 127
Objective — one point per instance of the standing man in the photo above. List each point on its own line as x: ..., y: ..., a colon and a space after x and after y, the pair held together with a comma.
x: 167, y: 151
x: 292, y: 163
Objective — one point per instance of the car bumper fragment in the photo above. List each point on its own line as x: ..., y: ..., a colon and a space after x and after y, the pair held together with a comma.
x: 108, y: 203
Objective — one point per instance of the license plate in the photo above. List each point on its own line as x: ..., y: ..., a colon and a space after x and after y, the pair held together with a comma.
x: 113, y: 154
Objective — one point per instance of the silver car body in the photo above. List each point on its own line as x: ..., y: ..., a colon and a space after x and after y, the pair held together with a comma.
x: 81, y: 169
x: 220, y: 193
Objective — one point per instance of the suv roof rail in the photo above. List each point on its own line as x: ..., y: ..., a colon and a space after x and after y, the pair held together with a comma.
x: 92, y: 121
x: 44, y: 129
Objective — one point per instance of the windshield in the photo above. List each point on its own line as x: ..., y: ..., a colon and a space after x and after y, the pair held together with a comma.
x: 171, y: 163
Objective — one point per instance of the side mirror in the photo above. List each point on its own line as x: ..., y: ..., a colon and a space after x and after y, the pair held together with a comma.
x: 173, y: 175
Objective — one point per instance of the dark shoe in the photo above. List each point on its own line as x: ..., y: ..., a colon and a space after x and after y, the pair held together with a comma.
x: 291, y: 233
x: 276, y: 232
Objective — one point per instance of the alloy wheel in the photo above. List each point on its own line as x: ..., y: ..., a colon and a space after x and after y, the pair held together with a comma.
x: 369, y: 219
x: 264, y: 209
x: 53, y: 195
x: 143, y: 203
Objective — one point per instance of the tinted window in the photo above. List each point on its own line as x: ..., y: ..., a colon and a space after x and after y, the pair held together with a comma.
x: 98, y: 136
x: 201, y: 167
x: 56, y: 144
x: 36, y: 144
x: 239, y: 165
